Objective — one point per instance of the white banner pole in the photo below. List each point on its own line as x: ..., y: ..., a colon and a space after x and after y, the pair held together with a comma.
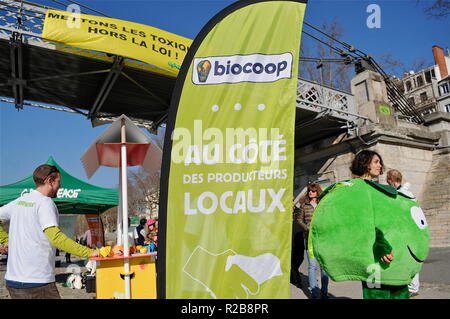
x: 124, y: 192
x: 119, y: 214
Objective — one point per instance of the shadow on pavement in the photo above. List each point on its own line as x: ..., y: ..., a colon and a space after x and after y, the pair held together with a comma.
x: 62, y: 278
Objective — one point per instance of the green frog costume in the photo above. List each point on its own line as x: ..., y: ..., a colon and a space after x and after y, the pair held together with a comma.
x: 356, y: 223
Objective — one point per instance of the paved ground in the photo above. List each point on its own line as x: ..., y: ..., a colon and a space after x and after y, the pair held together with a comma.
x: 434, y: 280
x: 434, y: 277
x: 62, y: 272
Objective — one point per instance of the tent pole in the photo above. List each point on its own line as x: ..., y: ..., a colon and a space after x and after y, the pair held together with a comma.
x: 124, y: 192
x: 119, y: 214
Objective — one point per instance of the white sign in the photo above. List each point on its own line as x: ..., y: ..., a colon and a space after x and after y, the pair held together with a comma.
x: 242, y: 68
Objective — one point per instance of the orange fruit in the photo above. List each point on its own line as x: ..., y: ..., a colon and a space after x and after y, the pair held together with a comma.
x: 117, y: 250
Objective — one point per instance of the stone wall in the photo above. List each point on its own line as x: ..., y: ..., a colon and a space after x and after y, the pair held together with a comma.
x: 325, y: 162
x: 413, y: 163
x: 436, y: 199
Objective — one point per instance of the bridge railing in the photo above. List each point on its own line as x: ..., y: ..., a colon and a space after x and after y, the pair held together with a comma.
x: 314, y: 97
x: 24, y: 18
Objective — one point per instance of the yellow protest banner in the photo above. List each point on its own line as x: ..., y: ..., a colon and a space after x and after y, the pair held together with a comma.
x: 161, y: 50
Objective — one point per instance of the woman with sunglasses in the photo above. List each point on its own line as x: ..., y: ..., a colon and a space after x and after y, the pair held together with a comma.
x: 307, y: 207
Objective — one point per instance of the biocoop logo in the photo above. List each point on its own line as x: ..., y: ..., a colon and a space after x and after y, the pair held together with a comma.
x: 242, y: 68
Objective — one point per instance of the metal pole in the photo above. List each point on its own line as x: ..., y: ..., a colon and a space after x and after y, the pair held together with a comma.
x: 126, y: 251
x: 119, y: 214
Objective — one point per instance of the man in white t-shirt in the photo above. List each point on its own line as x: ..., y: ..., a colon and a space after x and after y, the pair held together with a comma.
x: 33, y: 235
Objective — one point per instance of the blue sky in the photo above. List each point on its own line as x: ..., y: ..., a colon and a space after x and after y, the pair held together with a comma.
x: 29, y: 136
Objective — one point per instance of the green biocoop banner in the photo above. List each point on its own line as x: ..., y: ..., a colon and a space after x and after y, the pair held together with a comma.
x: 225, y: 217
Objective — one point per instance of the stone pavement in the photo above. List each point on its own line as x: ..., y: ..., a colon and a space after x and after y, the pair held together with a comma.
x: 62, y: 272
x: 434, y: 280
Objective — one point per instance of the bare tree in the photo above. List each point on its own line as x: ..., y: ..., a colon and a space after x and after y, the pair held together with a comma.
x: 143, y: 193
x: 420, y: 64
x: 307, y: 70
x: 397, y: 67
x: 390, y: 64
x: 439, y: 9
x: 332, y: 74
x: 109, y: 220
x: 81, y: 225
x: 143, y: 199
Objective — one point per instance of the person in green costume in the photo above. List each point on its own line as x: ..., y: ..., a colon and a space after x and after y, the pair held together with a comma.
x: 365, y: 231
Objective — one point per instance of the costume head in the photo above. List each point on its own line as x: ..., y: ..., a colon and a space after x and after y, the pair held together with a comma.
x: 357, y: 222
